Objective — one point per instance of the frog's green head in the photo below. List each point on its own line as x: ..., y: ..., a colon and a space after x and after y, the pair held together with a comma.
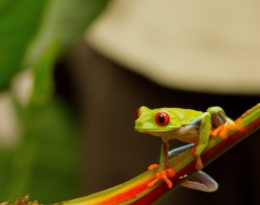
x: 156, y: 121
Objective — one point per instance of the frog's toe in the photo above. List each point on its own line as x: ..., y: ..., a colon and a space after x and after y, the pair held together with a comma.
x: 215, y: 132
x: 223, y: 130
x: 153, y: 166
x: 164, y: 176
x: 226, y: 128
x: 198, y: 165
x: 170, y: 172
x: 152, y: 183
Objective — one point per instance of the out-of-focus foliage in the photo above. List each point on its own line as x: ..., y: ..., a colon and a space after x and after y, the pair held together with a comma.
x: 68, y: 18
x: 19, y: 22
x: 42, y: 156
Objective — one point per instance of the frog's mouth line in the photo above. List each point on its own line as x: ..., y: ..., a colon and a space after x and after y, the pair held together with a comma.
x: 150, y: 131
x: 156, y: 133
x: 178, y: 131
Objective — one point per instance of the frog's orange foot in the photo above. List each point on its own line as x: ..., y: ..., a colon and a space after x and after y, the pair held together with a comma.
x: 223, y: 130
x: 161, y: 175
x: 198, y: 164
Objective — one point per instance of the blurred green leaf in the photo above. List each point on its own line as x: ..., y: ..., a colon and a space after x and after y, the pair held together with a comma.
x: 33, y: 34
x: 47, y: 155
x: 46, y: 163
x: 26, y: 27
x: 69, y: 18
x: 43, y: 85
x: 19, y: 21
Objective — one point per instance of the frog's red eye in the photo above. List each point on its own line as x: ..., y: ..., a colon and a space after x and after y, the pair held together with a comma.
x: 137, y: 113
x: 162, y: 118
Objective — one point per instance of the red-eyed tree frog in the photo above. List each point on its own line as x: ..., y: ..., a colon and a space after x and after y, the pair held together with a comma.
x: 187, y: 126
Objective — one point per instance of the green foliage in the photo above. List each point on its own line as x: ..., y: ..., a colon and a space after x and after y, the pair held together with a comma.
x: 44, y: 159
x: 69, y: 19
x: 19, y: 22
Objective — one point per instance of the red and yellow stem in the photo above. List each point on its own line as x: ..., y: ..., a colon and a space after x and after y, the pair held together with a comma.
x: 136, y: 191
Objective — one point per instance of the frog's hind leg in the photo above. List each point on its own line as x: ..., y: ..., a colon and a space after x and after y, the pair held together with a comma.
x: 218, y: 116
x: 202, y: 182
x: 221, y: 124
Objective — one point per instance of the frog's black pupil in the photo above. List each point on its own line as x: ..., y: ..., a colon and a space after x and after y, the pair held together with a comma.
x: 161, y: 118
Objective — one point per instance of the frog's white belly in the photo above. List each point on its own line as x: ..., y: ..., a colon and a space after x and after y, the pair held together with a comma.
x: 181, y: 134
x: 186, y: 133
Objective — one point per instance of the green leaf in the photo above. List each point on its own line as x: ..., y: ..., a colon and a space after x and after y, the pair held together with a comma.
x: 43, y: 87
x: 47, y: 154
x: 26, y: 28
x: 19, y: 22
x: 68, y: 18
x: 46, y: 163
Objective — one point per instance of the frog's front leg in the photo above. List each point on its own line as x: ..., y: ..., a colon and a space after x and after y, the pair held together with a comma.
x: 204, y: 123
x: 163, y: 170
x: 214, y: 119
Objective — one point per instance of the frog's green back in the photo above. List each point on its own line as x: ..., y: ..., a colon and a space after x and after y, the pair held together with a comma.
x: 182, y: 115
